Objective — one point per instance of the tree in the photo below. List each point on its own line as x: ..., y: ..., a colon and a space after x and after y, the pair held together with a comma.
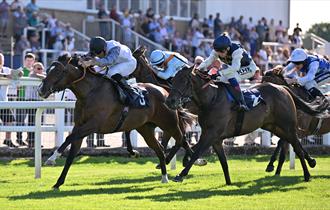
x: 321, y: 30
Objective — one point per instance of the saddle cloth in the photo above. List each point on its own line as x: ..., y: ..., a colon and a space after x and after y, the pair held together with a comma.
x: 252, y: 97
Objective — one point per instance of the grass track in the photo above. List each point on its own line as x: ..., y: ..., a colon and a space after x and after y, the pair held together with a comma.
x: 122, y: 183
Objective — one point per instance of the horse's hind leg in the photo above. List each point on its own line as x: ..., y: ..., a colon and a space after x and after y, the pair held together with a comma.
x: 270, y: 166
x: 284, y: 151
x: 75, y: 147
x: 298, y: 150
x: 147, y: 131
x: 311, y: 161
x: 217, y: 146
x: 133, y: 153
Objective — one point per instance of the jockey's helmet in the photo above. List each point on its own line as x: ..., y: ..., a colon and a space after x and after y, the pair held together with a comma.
x: 157, y: 57
x: 298, y: 55
x: 221, y: 43
x: 97, y: 45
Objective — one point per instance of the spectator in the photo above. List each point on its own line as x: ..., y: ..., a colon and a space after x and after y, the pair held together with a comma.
x: 126, y: 23
x: 239, y: 23
x: 21, y: 114
x: 113, y: 13
x: 177, y: 42
x: 33, y: 20
x: 280, y: 29
x: 32, y: 95
x: 272, y: 31
x: 35, y: 42
x: 232, y: 23
x: 16, y: 5
x: 4, y: 17
x: 21, y: 45
x: 150, y: 13
x: 261, y: 30
x: 250, y: 24
x: 171, y: 28
x: 297, y: 30
x: 6, y: 115
x: 196, y: 41
x: 20, y: 22
x: 145, y: 26
x: 194, y: 22
x: 217, y: 26
x: 210, y: 22
x: 31, y: 8
x: 104, y: 29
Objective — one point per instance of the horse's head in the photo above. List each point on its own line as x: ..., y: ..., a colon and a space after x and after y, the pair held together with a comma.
x: 60, y: 75
x: 181, y: 90
x: 275, y: 76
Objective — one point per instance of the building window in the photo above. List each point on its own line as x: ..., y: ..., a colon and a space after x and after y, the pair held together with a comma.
x: 163, y: 7
x: 111, y: 3
x: 90, y: 4
x: 194, y: 8
x: 135, y: 5
x: 123, y: 5
x: 184, y: 8
x: 173, y: 8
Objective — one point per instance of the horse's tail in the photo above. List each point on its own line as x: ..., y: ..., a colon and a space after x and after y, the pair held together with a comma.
x: 186, y: 118
x: 314, y: 110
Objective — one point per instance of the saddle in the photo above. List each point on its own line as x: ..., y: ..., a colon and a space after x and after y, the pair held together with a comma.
x: 252, y: 96
x: 134, y: 96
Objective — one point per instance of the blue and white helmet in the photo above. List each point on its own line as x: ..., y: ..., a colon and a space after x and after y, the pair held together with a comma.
x: 157, y: 57
x: 298, y: 55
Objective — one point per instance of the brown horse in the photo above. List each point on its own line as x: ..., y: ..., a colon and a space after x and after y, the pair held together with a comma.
x: 218, y: 120
x: 307, y: 124
x: 144, y: 73
x: 99, y: 110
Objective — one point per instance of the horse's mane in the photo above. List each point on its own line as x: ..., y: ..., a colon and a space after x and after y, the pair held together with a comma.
x: 74, y: 60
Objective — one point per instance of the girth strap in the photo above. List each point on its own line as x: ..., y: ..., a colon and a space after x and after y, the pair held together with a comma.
x: 239, y: 122
x: 121, y: 120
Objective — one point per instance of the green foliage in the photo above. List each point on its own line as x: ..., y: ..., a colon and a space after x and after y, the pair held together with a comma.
x: 321, y: 29
x: 122, y: 183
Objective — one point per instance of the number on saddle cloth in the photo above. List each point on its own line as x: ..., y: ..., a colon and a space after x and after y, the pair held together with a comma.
x: 252, y: 97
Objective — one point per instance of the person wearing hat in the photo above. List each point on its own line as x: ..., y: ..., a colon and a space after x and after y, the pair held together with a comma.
x: 314, y: 68
x: 166, y: 64
x: 112, y: 59
x: 237, y: 65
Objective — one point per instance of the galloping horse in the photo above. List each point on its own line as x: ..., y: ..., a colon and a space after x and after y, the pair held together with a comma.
x: 218, y: 120
x: 99, y: 110
x: 307, y: 124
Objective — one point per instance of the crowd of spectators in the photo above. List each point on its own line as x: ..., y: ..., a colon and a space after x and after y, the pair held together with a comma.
x: 198, y: 36
x: 58, y: 36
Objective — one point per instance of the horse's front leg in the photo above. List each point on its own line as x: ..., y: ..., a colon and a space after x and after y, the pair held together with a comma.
x: 77, y: 133
x: 75, y: 147
x: 207, y: 139
x: 270, y: 166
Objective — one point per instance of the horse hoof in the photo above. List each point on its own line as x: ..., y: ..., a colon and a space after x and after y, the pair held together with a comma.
x: 307, y: 177
x: 200, y: 162
x: 312, y: 163
x: 50, y: 162
x: 56, y: 188
x: 158, y: 166
x: 178, y: 178
x: 270, y: 168
x: 164, y: 179
x: 135, y: 154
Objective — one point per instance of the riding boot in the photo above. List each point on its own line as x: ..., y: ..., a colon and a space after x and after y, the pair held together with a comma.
x: 238, y: 95
x: 316, y: 92
x: 124, y: 85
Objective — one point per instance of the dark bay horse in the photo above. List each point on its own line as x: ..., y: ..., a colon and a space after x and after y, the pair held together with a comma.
x: 144, y: 73
x: 99, y: 110
x: 307, y: 124
x: 218, y: 120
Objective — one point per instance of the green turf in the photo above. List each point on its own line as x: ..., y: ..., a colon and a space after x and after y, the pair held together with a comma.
x: 122, y: 183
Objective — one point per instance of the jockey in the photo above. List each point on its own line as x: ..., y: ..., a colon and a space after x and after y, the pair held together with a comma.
x: 166, y: 64
x: 113, y: 59
x: 237, y: 65
x: 315, y: 70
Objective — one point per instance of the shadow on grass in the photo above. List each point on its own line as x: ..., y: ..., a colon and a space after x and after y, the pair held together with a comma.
x: 249, y: 188
x: 83, y: 192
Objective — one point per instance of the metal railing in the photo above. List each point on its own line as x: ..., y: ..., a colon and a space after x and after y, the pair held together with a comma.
x: 124, y: 35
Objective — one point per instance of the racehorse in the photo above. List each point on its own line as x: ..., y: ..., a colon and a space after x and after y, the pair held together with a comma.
x: 218, y: 120
x: 307, y: 124
x: 99, y: 110
x: 144, y: 73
